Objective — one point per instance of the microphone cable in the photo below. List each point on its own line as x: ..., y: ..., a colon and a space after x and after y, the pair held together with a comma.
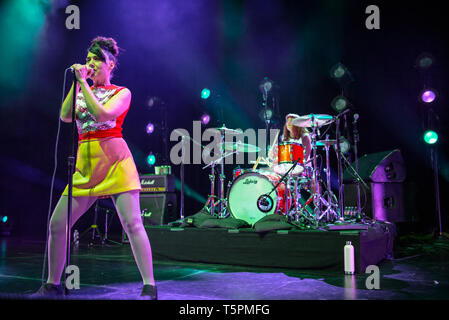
x: 53, y: 177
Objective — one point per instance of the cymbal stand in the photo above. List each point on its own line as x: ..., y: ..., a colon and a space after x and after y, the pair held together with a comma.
x: 316, y: 194
x: 340, y: 170
x: 356, y: 160
x: 211, y: 199
x: 300, y: 210
x: 222, y: 177
x: 330, y: 196
x: 222, y: 201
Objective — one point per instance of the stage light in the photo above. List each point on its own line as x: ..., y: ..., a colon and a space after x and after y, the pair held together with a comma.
x: 424, y: 61
x: 150, y: 128
x: 340, y: 103
x: 4, y: 219
x: 428, y: 95
x: 430, y: 137
x: 205, y: 118
x: 266, y: 85
x: 266, y: 114
x: 151, y: 159
x: 205, y: 93
x: 341, y: 74
x: 344, y: 145
x: 338, y: 71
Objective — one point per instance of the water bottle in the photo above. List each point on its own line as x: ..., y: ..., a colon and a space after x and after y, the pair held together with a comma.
x: 349, y: 258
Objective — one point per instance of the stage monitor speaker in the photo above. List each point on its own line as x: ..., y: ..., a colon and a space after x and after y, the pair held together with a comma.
x: 386, y: 166
x: 384, y: 201
x: 384, y: 173
x: 158, y: 208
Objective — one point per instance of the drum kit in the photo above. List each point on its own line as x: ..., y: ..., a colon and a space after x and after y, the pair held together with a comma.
x: 292, y: 187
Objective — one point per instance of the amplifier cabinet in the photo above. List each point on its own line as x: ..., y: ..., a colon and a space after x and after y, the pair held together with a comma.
x: 157, y: 183
x: 158, y: 208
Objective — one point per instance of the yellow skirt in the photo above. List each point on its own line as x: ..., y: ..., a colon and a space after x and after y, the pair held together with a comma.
x: 104, y: 167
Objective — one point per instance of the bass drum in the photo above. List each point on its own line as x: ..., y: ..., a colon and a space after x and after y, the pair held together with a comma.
x: 245, y: 192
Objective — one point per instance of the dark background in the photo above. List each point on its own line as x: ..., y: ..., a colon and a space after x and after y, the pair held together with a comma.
x: 173, y: 49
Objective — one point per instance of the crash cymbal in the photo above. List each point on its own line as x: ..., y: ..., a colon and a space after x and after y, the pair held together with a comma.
x: 223, y: 128
x: 313, y: 120
x: 240, y: 147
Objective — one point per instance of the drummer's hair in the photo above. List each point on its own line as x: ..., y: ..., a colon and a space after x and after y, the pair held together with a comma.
x: 298, y: 132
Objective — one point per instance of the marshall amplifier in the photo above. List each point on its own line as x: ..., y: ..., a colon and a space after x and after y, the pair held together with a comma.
x: 154, y: 183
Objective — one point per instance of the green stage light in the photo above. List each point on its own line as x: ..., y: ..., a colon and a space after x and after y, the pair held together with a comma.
x: 151, y: 159
x: 4, y: 219
x: 430, y: 137
x: 205, y: 93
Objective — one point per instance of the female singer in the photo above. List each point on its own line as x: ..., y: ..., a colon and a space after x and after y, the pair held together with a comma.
x: 104, y: 164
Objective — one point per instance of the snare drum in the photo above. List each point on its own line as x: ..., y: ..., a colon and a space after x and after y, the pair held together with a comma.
x: 246, y: 191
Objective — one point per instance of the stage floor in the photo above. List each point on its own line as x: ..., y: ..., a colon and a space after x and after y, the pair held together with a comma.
x: 418, y: 271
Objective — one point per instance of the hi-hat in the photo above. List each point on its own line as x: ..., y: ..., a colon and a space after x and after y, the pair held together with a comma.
x: 328, y: 142
x: 313, y: 120
x: 240, y: 147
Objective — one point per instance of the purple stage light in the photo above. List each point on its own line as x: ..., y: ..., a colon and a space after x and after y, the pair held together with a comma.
x: 205, y: 118
x: 150, y: 128
x: 428, y: 96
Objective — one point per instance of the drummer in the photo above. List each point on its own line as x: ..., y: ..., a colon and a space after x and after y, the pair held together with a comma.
x: 293, y: 134
x: 297, y: 134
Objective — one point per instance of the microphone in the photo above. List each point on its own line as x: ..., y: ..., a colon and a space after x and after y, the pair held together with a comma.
x: 73, y: 70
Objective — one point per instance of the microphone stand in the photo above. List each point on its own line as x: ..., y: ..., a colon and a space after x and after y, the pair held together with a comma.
x: 356, y: 140
x: 181, y: 212
x: 339, y: 171
x: 267, y: 121
x: 71, y: 169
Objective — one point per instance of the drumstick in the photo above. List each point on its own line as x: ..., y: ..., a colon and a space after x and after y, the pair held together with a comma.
x: 274, y: 142
x: 257, y: 163
x: 268, y: 163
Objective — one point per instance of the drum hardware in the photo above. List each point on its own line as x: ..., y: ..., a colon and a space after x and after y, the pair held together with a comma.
x: 330, y: 211
x: 315, y: 121
x: 222, y: 211
x: 339, y: 168
x: 356, y: 140
x: 234, y: 148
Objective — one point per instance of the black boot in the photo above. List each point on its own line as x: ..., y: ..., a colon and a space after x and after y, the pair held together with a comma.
x: 149, y: 292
